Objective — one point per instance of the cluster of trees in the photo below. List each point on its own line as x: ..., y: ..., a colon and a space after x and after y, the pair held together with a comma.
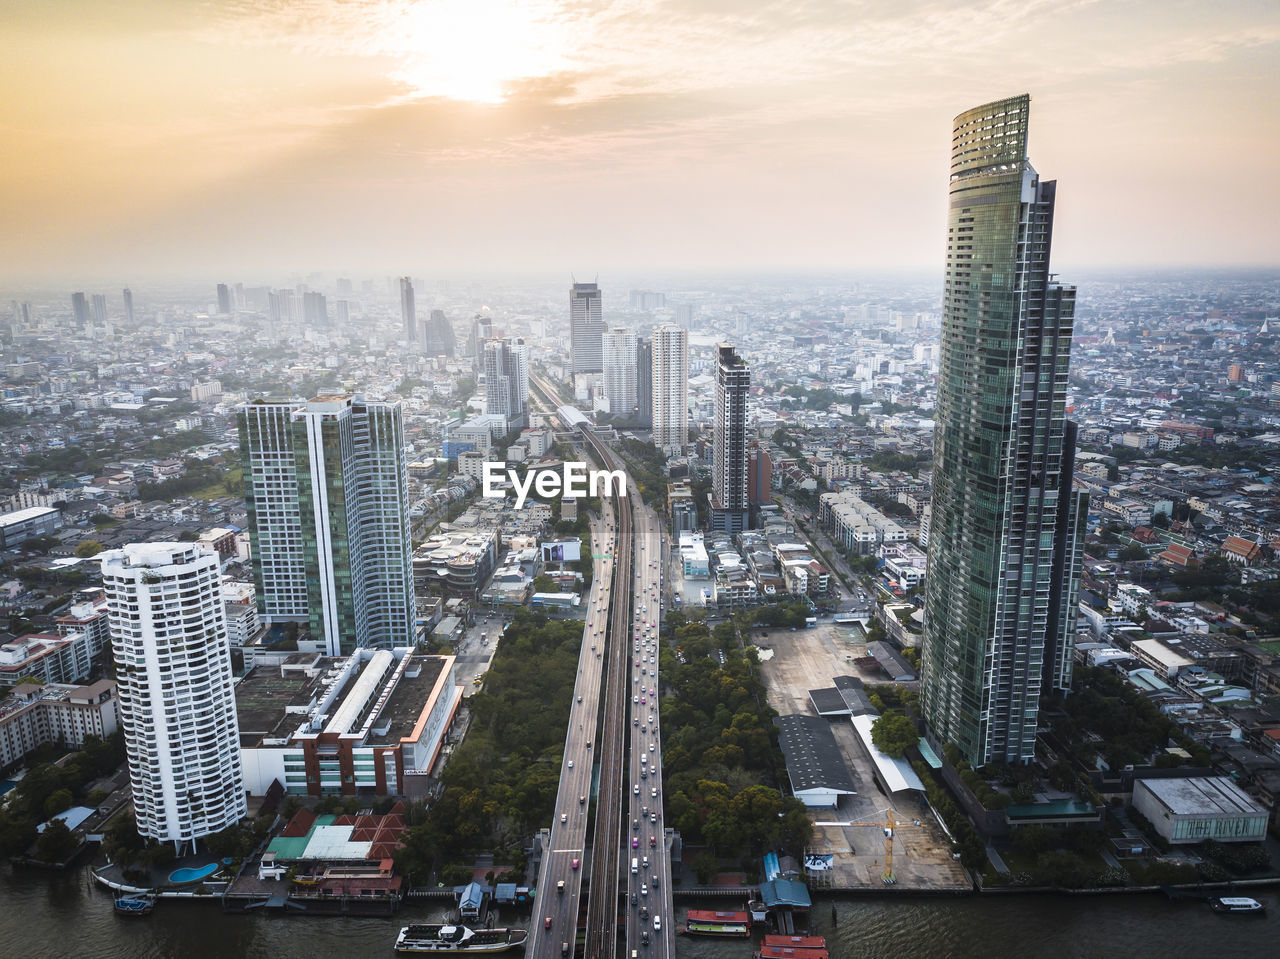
x: 501, y: 783
x: 648, y: 468
x: 721, y: 755
x: 893, y: 734
x: 197, y: 477
x: 819, y: 398
x: 786, y: 613
x: 48, y: 789
x: 1130, y: 726
x: 887, y: 461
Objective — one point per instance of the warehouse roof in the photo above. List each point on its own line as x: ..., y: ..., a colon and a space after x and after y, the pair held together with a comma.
x: 813, y: 758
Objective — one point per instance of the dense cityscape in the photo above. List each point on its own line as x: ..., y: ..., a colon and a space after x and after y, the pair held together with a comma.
x: 648, y: 612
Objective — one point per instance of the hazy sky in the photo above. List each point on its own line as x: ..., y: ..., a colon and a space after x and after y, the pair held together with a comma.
x: 249, y: 137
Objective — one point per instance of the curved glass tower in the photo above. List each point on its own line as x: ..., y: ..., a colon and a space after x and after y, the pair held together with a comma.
x: 1006, y: 528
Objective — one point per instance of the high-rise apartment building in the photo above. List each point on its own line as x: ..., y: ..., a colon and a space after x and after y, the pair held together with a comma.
x: 506, y: 381
x: 586, y: 328
x: 759, y: 476
x: 437, y: 336
x: 619, y: 351
x: 729, y: 508
x: 315, y: 309
x: 326, y: 493
x: 670, y: 384
x: 99, y: 309
x: 177, y: 702
x: 644, y: 382
x: 481, y: 330
x: 224, y: 298
x: 1006, y: 528
x: 128, y: 304
x: 80, y: 307
x: 408, y: 312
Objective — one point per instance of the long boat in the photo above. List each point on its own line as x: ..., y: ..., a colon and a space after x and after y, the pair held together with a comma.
x: 709, y: 922
x: 457, y: 938
x: 793, y: 947
x: 1237, y: 904
x: 135, y: 905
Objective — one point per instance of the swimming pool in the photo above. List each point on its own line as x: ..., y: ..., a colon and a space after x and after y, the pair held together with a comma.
x: 187, y: 874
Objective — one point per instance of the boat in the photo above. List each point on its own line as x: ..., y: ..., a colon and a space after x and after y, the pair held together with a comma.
x: 457, y: 938
x: 1236, y: 904
x: 709, y: 922
x: 135, y: 905
x: 793, y: 947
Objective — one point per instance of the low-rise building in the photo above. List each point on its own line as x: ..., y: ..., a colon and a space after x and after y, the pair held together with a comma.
x: 1192, y: 810
x: 371, y: 724
x: 46, y: 657
x: 21, y: 525
x: 55, y: 713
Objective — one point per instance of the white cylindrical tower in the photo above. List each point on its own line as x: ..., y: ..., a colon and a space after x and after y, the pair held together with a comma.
x: 177, y: 703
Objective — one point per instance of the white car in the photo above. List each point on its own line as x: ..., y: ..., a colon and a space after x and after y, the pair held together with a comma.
x: 657, y: 923
x: 570, y: 763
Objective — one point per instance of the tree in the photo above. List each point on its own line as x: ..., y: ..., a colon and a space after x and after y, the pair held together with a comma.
x: 544, y: 584
x: 89, y: 547
x: 893, y: 734
x: 56, y: 843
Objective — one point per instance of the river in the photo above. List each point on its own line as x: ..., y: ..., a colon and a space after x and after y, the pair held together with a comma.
x: 51, y: 916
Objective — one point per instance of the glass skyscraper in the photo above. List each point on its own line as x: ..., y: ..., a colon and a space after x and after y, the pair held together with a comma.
x: 1006, y: 528
x: 326, y: 493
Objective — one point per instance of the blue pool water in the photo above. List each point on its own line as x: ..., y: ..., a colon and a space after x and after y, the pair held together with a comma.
x: 193, y: 875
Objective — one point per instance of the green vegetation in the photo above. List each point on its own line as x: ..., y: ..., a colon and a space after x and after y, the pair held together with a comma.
x: 1130, y: 727
x: 893, y: 734
x: 887, y: 461
x: 786, y: 613
x: 721, y: 757
x: 647, y: 467
x: 48, y: 789
x: 500, y: 784
x: 89, y: 547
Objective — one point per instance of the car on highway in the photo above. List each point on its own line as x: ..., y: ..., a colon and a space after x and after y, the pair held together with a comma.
x: 653, y: 842
x: 653, y: 818
x: 652, y: 747
x: 582, y: 800
x: 654, y: 793
x: 636, y: 789
x: 644, y: 890
x: 546, y: 923
x: 564, y: 817
x: 575, y: 863
x: 570, y: 763
x: 657, y: 923
x: 635, y: 842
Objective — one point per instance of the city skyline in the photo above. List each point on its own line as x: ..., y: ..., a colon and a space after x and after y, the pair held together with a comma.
x: 335, y: 131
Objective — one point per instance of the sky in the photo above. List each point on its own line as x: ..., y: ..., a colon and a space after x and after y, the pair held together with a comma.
x: 245, y: 138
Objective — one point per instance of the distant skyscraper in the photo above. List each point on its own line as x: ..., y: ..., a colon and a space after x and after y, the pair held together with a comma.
x: 481, y: 330
x: 99, y: 309
x: 342, y: 312
x: 644, y: 382
x: 506, y: 381
x: 729, y: 456
x: 315, y: 309
x: 280, y: 306
x: 326, y: 492
x: 619, y: 348
x: 438, y: 337
x: 224, y: 298
x: 408, y: 313
x: 177, y: 701
x: 128, y: 304
x: 670, y: 383
x: 586, y: 328
x: 343, y: 287
x: 1006, y: 527
x: 80, y: 307
x: 685, y: 312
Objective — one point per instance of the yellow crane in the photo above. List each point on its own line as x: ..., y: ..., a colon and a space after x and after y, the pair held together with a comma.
x: 888, y: 877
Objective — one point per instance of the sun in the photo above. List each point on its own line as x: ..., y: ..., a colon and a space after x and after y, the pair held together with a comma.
x: 476, y: 49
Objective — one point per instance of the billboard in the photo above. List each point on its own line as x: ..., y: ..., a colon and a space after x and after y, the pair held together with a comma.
x: 563, y: 551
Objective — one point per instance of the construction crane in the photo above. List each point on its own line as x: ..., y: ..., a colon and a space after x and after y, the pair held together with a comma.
x: 888, y: 878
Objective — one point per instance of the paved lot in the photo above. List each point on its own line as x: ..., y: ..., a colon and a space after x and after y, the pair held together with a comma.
x: 853, y: 833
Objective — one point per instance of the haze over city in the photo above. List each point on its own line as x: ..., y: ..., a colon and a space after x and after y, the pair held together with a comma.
x: 152, y: 138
